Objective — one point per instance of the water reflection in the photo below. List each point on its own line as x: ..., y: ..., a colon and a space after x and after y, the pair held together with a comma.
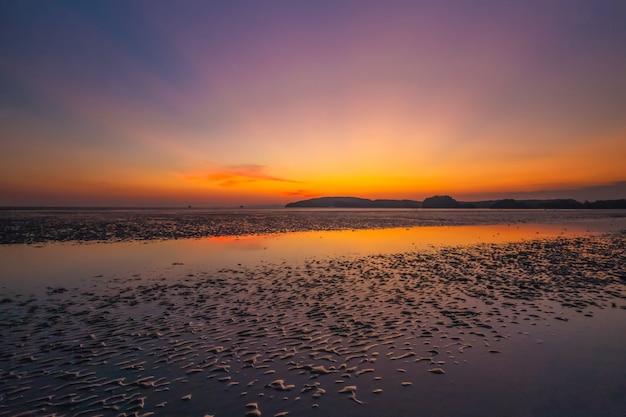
x: 365, y: 242
x: 24, y: 267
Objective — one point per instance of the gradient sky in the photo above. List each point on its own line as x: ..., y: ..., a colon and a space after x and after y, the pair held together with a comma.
x: 218, y: 103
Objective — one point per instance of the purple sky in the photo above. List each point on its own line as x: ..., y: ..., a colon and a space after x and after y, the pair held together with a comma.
x: 227, y: 103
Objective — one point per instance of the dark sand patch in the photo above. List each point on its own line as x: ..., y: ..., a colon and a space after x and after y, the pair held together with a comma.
x: 39, y: 226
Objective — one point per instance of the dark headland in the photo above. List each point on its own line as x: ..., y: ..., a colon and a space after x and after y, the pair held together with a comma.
x: 449, y: 202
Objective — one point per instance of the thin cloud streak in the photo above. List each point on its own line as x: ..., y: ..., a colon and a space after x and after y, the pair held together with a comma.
x: 301, y: 193
x: 232, y: 175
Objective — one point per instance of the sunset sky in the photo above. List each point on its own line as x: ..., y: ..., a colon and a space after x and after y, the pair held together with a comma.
x: 222, y: 103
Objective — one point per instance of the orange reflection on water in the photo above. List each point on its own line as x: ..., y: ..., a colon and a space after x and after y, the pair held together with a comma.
x: 26, y: 266
x: 374, y: 241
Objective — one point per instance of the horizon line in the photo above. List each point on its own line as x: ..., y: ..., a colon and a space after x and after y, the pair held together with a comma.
x: 268, y: 206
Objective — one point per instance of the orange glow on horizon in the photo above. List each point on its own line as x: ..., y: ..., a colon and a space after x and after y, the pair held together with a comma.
x: 398, y: 101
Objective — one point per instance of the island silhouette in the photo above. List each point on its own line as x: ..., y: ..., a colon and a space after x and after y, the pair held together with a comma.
x: 448, y: 202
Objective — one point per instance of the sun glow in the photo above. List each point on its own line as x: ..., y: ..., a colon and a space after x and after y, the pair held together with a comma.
x: 401, y: 101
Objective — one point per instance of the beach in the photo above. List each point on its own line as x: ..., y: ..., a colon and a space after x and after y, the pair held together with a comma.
x: 313, y: 313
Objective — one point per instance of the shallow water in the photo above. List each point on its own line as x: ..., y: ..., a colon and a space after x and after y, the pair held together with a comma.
x: 33, y: 267
x: 515, y: 319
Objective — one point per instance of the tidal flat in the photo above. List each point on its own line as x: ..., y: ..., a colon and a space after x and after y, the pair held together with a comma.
x: 352, y: 313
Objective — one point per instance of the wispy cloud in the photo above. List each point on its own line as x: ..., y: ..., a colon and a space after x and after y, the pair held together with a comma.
x: 232, y: 175
x: 300, y: 193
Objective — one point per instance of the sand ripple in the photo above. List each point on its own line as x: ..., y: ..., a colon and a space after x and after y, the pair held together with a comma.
x: 286, y: 339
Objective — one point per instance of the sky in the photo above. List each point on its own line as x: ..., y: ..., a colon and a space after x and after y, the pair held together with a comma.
x: 228, y: 103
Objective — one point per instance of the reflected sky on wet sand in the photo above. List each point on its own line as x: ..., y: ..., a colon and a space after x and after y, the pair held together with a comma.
x: 26, y: 267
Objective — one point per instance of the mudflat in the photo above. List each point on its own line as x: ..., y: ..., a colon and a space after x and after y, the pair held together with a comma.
x: 527, y: 326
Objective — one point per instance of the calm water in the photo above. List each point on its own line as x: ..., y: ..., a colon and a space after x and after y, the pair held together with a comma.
x: 34, y: 267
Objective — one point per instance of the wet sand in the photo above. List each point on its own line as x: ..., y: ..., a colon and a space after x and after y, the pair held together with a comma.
x: 532, y: 327
x: 30, y: 268
x: 40, y: 226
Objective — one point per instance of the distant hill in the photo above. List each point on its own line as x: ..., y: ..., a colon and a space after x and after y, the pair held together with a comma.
x: 353, y: 202
x: 440, y: 201
x: 449, y: 202
x: 605, y: 204
x: 567, y: 204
